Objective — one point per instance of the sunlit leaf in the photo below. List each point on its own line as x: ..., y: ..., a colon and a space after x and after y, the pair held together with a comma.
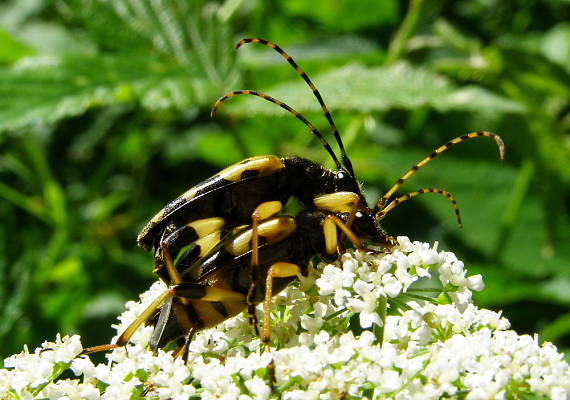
x: 11, y: 49
x: 45, y: 90
x: 330, y: 49
x: 356, y: 87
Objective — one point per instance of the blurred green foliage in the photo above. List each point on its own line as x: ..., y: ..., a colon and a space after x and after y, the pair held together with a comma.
x: 104, y: 118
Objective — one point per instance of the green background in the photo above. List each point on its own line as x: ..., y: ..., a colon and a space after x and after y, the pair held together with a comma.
x: 104, y: 118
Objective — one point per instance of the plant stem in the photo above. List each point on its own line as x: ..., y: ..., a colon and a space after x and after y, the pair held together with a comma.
x: 398, y: 43
x: 382, y: 309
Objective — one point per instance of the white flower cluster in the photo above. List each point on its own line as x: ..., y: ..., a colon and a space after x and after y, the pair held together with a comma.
x: 368, y: 326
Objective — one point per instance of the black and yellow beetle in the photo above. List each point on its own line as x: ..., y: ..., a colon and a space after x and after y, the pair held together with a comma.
x: 228, y: 199
x: 211, y: 277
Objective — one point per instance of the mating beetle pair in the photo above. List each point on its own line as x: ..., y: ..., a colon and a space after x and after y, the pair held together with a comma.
x: 221, y: 247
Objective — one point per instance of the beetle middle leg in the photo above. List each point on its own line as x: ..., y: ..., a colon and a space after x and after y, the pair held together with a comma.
x: 277, y: 270
x: 202, y: 235
x: 261, y: 212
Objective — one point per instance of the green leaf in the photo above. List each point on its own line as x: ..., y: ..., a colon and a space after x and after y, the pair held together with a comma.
x: 355, y: 87
x: 476, y: 98
x: 11, y: 49
x: 45, y: 90
x: 204, y: 142
x: 556, y: 45
x: 50, y: 38
x: 356, y: 15
x: 560, y: 327
x: 346, y: 47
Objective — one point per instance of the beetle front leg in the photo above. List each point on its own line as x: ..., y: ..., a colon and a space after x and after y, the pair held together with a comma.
x: 339, y: 202
x: 330, y: 225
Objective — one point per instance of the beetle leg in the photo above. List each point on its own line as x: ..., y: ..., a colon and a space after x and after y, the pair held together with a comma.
x: 199, y: 248
x: 190, y: 327
x: 204, y: 234
x: 173, y: 242
x: 277, y: 270
x: 185, y: 290
x: 330, y: 234
x: 167, y: 259
x: 339, y: 202
x: 261, y: 212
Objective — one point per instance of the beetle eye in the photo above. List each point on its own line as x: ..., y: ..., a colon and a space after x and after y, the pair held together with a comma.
x: 344, y: 181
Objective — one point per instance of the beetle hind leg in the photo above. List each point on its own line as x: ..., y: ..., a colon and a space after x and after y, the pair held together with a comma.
x: 185, y: 291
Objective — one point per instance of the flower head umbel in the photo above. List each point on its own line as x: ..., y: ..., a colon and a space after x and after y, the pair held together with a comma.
x: 397, y: 325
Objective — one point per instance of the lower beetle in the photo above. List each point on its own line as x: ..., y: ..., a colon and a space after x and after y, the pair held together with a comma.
x: 220, y: 285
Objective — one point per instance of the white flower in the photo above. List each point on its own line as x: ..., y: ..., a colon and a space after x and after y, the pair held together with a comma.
x: 334, y: 278
x: 427, y: 350
x: 475, y: 282
x: 258, y: 388
x: 83, y: 366
x: 367, y: 310
x: 392, y: 286
x: 314, y: 324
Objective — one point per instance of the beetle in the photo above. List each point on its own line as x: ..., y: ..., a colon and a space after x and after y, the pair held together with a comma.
x: 217, y: 286
x: 219, y: 246
x: 228, y: 199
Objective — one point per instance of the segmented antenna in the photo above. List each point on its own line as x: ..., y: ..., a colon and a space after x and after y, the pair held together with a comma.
x: 345, y: 160
x: 382, y: 213
x: 284, y: 106
x: 384, y: 199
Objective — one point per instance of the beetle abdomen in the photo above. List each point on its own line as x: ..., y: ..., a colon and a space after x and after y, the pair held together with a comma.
x: 226, y: 194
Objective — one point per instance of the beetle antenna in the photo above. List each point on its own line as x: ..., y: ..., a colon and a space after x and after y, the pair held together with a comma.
x: 345, y: 160
x: 384, y: 199
x: 284, y: 106
x: 382, y: 213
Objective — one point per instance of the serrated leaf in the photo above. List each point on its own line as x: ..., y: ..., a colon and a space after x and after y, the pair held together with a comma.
x: 355, y: 87
x: 44, y: 90
x: 331, y: 48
